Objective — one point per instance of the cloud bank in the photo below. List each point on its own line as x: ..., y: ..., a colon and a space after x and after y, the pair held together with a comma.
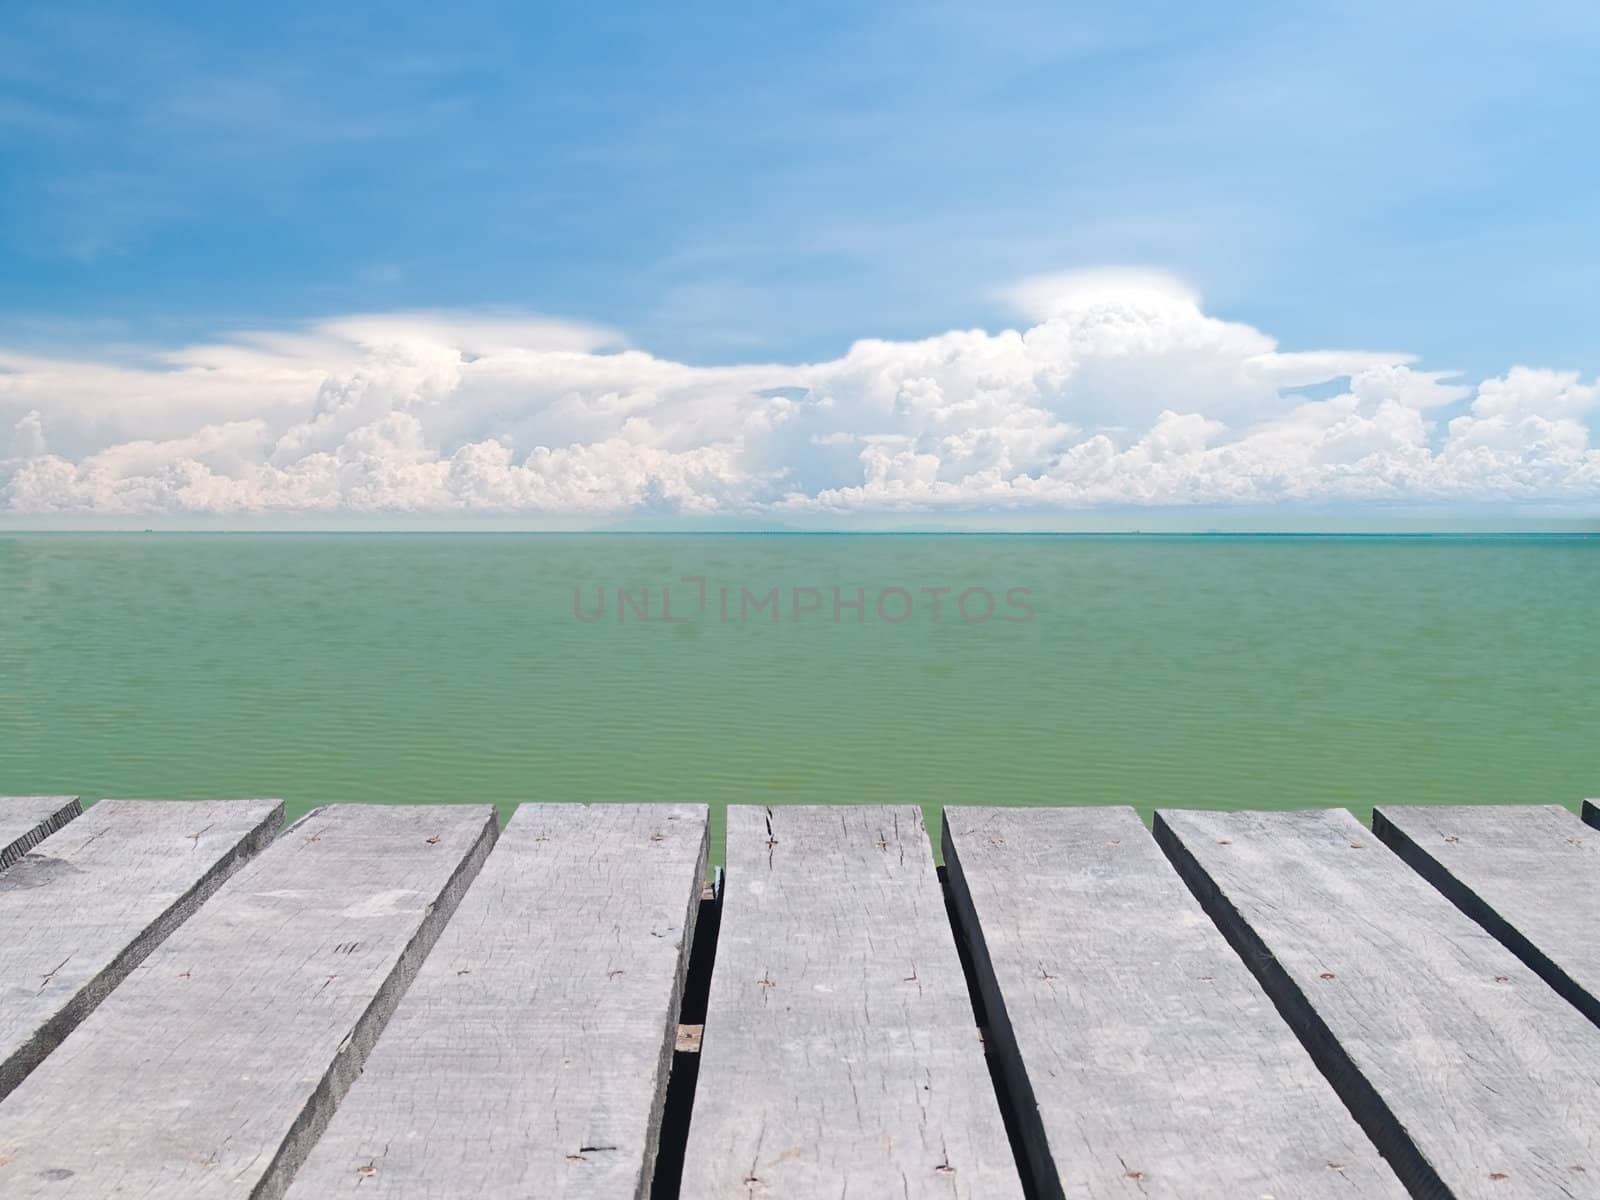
x: 1120, y: 391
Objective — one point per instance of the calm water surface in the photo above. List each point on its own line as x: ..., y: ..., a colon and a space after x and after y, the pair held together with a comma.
x: 1180, y: 671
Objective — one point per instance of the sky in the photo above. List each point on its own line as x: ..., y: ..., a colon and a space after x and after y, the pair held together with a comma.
x: 763, y: 260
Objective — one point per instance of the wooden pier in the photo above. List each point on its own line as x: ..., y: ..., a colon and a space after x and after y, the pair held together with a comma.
x: 406, y: 1002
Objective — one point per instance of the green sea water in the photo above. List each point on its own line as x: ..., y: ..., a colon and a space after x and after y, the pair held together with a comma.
x: 1222, y: 671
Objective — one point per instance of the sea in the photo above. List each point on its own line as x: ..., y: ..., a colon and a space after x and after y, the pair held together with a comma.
x: 1179, y: 671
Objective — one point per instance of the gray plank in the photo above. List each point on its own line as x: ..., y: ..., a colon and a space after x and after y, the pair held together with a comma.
x: 1473, y: 1077
x: 91, y: 901
x: 531, y: 1055
x: 212, y: 1069
x: 1146, y: 1059
x: 25, y: 821
x: 840, y: 1057
x: 1526, y: 873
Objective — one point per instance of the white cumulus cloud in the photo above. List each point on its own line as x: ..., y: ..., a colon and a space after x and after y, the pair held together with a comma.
x: 1120, y: 390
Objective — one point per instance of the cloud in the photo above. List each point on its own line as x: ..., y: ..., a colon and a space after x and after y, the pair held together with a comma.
x: 1121, y: 391
x: 1062, y: 293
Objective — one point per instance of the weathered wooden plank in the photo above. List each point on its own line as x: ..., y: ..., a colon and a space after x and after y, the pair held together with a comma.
x: 1145, y: 1059
x: 1526, y: 873
x: 210, y: 1072
x: 92, y: 900
x: 531, y: 1055
x: 1473, y: 1077
x: 25, y: 821
x: 840, y: 1057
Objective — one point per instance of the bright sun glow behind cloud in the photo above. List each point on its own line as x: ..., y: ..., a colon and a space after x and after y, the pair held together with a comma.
x: 1121, y: 391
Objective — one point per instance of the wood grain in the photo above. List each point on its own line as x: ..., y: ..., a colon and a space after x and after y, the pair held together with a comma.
x: 840, y: 1056
x: 1146, y: 1059
x: 92, y: 900
x: 25, y: 821
x: 211, y: 1071
x: 1526, y: 873
x: 530, y: 1057
x: 1473, y: 1077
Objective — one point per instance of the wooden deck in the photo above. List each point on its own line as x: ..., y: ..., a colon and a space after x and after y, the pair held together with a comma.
x: 405, y: 1002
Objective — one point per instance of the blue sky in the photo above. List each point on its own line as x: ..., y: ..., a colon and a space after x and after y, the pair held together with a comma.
x: 1382, y: 185
x: 726, y: 181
